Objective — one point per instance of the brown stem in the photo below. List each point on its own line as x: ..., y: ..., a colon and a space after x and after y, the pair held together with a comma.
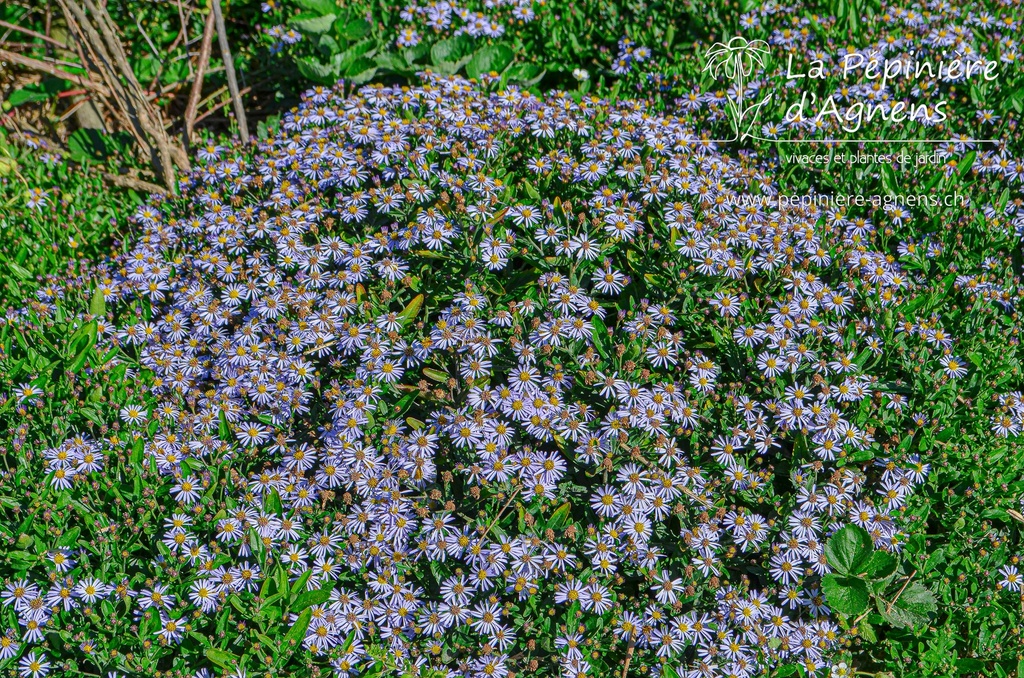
x: 37, y: 65
x: 498, y: 517
x: 217, y: 108
x: 34, y: 34
x: 888, y: 607
x: 131, y: 182
x: 197, y: 83
x: 629, y: 655
x: 225, y: 52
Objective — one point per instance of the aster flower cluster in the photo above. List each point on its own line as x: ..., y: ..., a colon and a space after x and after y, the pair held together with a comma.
x: 629, y: 54
x: 390, y: 373
x: 448, y: 19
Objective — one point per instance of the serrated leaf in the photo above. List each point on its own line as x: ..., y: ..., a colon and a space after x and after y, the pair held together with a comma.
x: 356, y: 29
x: 316, y: 71
x: 880, y: 566
x: 415, y: 53
x: 358, y: 67
x: 848, y: 550
x: 525, y: 75
x: 362, y: 48
x: 911, y: 609
x: 846, y: 595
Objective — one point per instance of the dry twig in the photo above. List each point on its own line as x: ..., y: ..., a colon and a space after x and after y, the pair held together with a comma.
x: 101, y: 52
x: 220, y: 106
x: 43, y: 67
x: 34, y: 34
x: 125, y: 181
x: 197, y: 83
x: 225, y: 52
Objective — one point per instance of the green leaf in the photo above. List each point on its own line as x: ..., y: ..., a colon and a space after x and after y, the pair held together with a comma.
x: 224, y: 429
x: 436, y: 375
x: 488, y: 59
x: 311, y: 598
x: 964, y: 166
x: 415, y: 53
x: 298, y: 630
x: 271, y: 646
x: 846, y: 595
x: 451, y: 50
x: 316, y: 71
x: 69, y: 538
x: 525, y: 75
x: 911, y: 609
x: 345, y: 60
x: 300, y: 583
x: 356, y: 29
x: 328, y: 46
x: 405, y: 402
x: 27, y: 95
x: 312, y: 23
x: 880, y: 566
x: 319, y: 6
x: 85, y: 347
x: 273, y: 503
x: 560, y: 517
x: 848, y: 550
x: 223, y: 659
x: 20, y: 271
x: 598, y: 335
x: 391, y: 62
x: 98, y: 304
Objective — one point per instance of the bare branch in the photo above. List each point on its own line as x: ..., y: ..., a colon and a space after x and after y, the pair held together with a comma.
x: 25, y: 31
x: 125, y: 181
x: 197, y: 83
x: 42, y: 66
x: 225, y: 51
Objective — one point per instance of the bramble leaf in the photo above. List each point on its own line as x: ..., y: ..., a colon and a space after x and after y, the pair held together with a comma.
x: 848, y: 550
x: 846, y: 595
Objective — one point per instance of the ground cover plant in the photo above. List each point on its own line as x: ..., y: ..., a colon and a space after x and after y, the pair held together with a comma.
x: 472, y: 377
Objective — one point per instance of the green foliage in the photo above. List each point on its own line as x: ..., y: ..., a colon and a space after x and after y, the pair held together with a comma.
x: 862, y: 574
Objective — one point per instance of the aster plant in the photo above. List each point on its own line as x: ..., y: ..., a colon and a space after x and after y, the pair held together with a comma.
x: 410, y: 410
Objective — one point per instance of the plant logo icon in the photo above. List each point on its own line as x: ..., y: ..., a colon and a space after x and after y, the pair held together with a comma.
x: 736, y: 61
